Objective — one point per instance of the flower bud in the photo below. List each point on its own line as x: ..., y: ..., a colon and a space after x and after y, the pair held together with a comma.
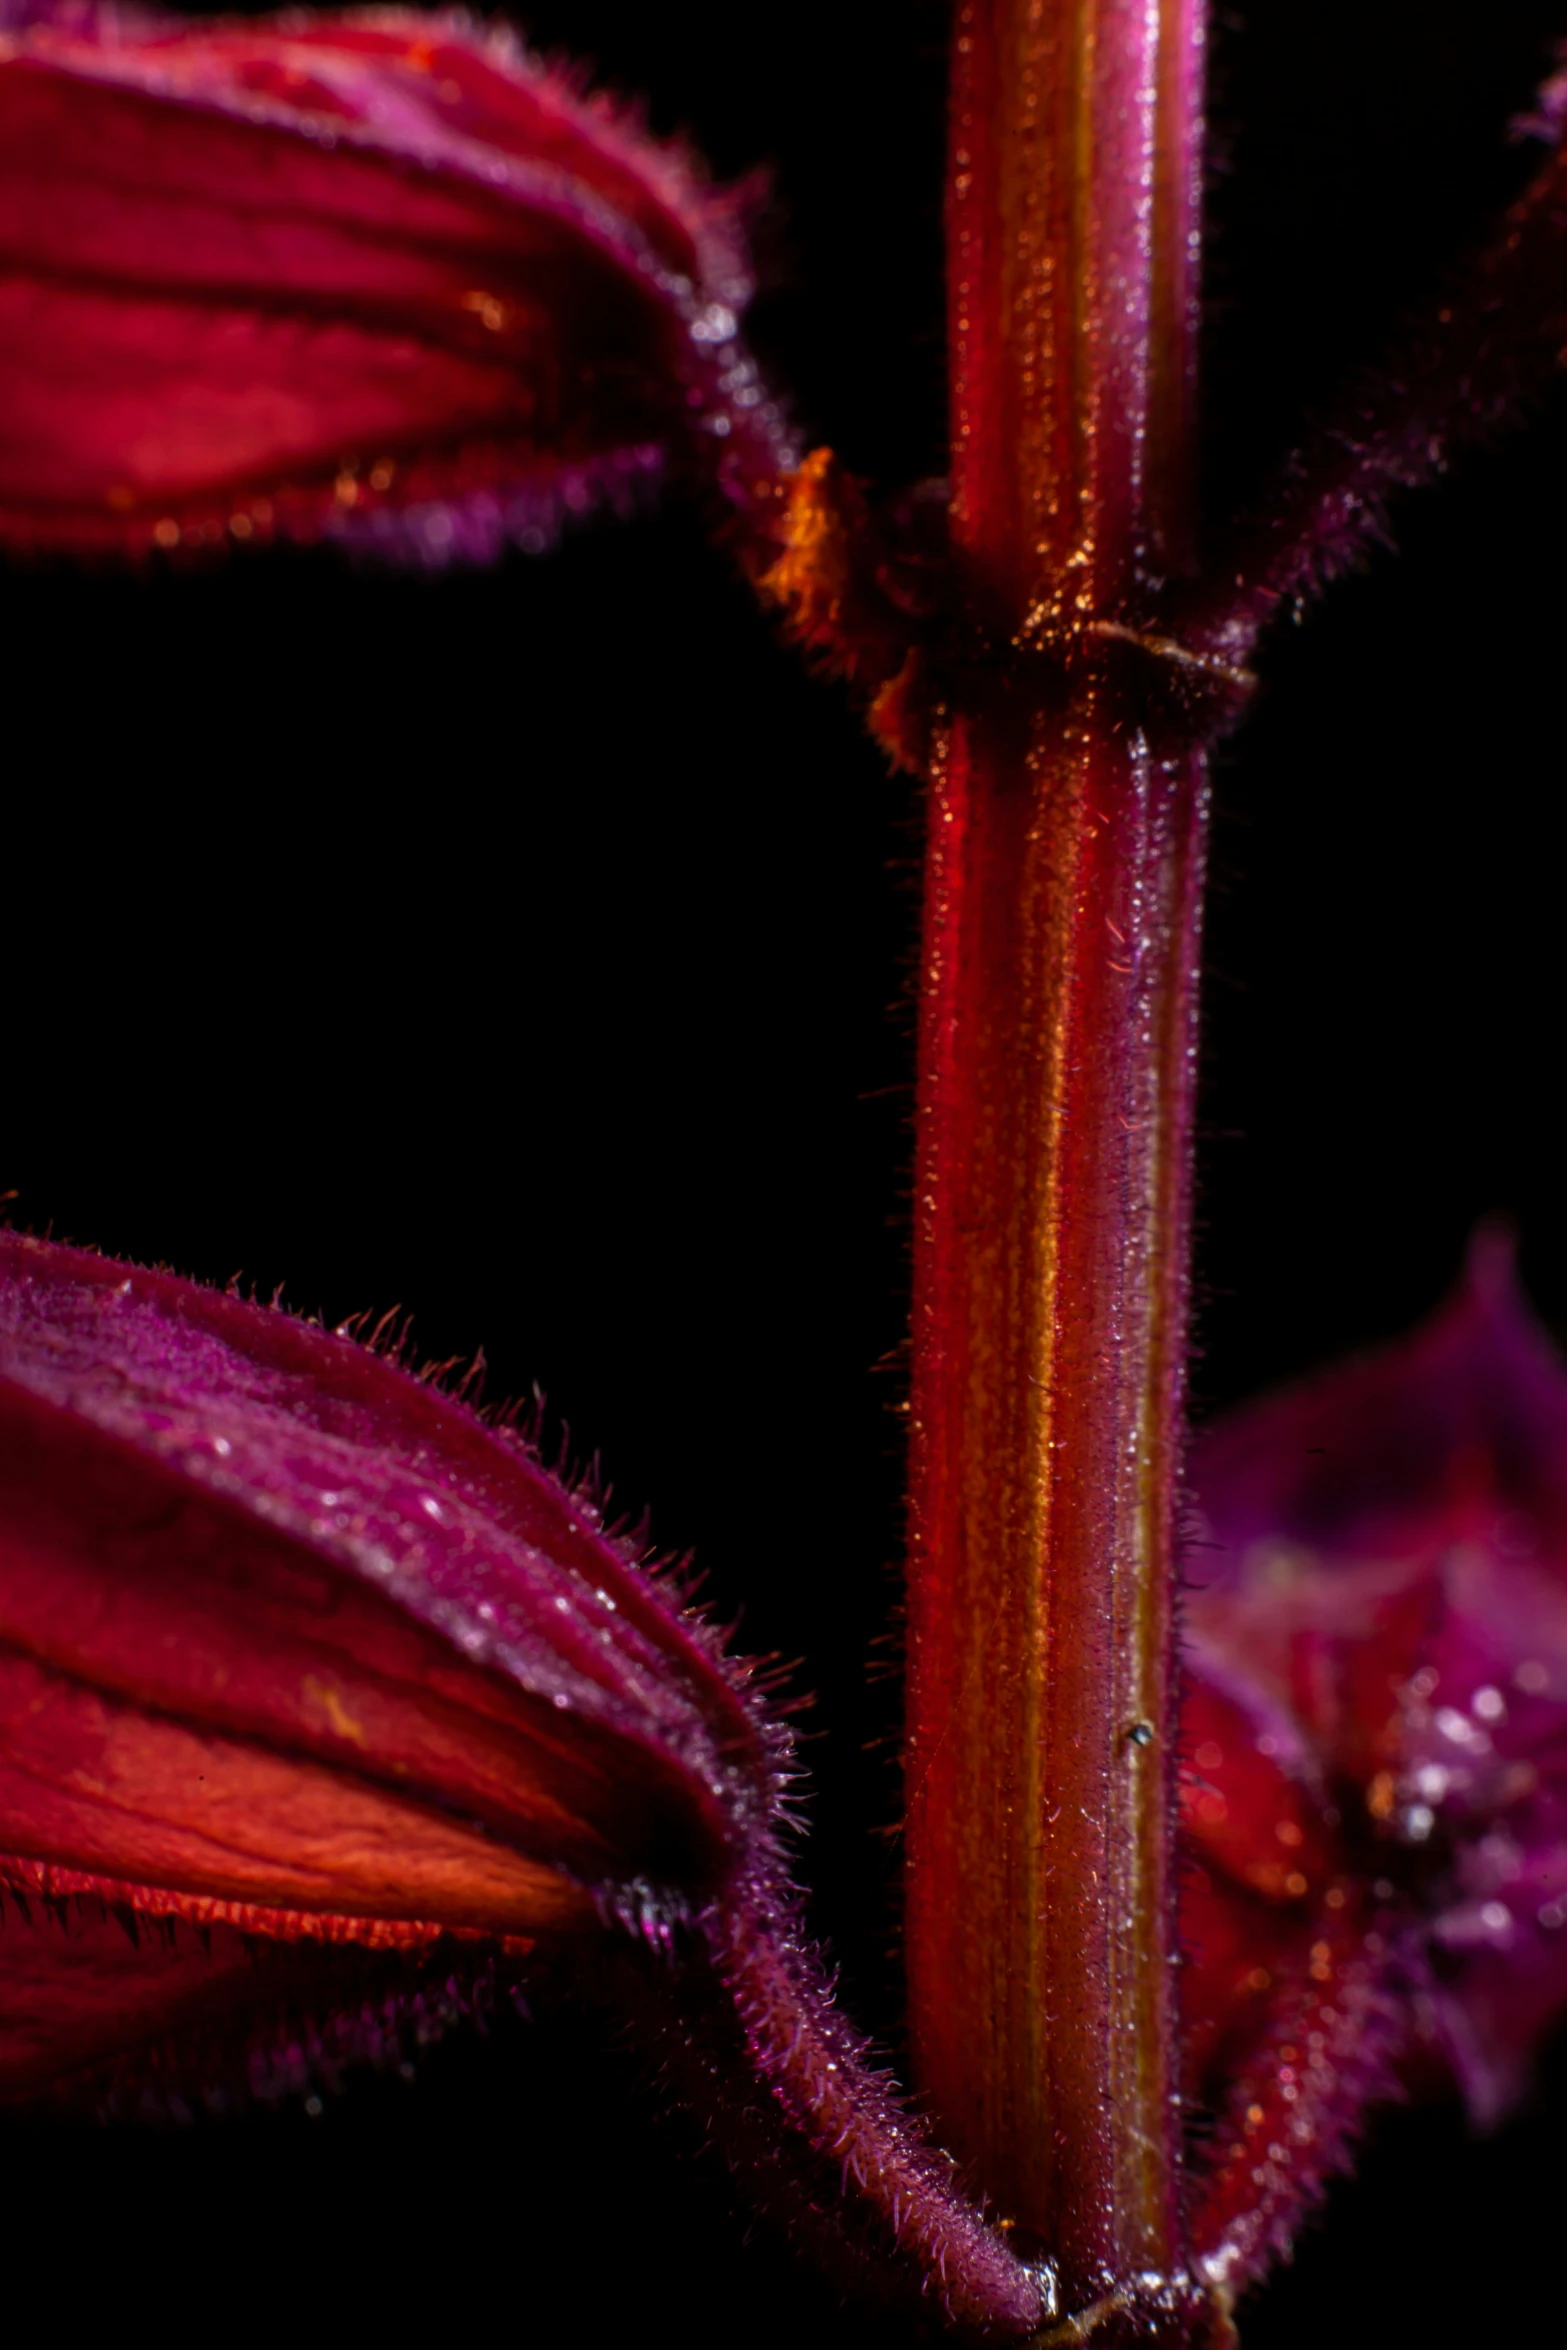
x: 382, y: 278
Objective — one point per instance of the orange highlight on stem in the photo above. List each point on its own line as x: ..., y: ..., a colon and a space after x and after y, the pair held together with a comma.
x: 1060, y: 959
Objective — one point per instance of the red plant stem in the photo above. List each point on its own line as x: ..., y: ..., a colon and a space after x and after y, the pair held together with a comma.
x: 1058, y: 996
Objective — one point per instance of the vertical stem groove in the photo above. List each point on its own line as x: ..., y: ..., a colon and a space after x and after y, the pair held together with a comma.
x: 1060, y: 954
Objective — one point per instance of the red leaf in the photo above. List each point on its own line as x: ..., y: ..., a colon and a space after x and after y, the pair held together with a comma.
x: 378, y: 276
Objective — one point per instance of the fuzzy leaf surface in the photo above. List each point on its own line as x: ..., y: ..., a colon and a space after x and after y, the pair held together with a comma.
x: 380, y: 276
x: 293, y: 1642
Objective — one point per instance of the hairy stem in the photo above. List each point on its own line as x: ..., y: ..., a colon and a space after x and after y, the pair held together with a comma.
x: 747, y: 2034
x: 1452, y: 379
x: 1058, y: 995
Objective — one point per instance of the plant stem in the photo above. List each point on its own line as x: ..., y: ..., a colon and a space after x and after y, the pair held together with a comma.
x: 1058, y: 1000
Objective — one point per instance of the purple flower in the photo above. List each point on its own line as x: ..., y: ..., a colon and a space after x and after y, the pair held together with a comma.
x: 1376, y: 1800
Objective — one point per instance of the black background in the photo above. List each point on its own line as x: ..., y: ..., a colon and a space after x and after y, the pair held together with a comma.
x: 531, y: 950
